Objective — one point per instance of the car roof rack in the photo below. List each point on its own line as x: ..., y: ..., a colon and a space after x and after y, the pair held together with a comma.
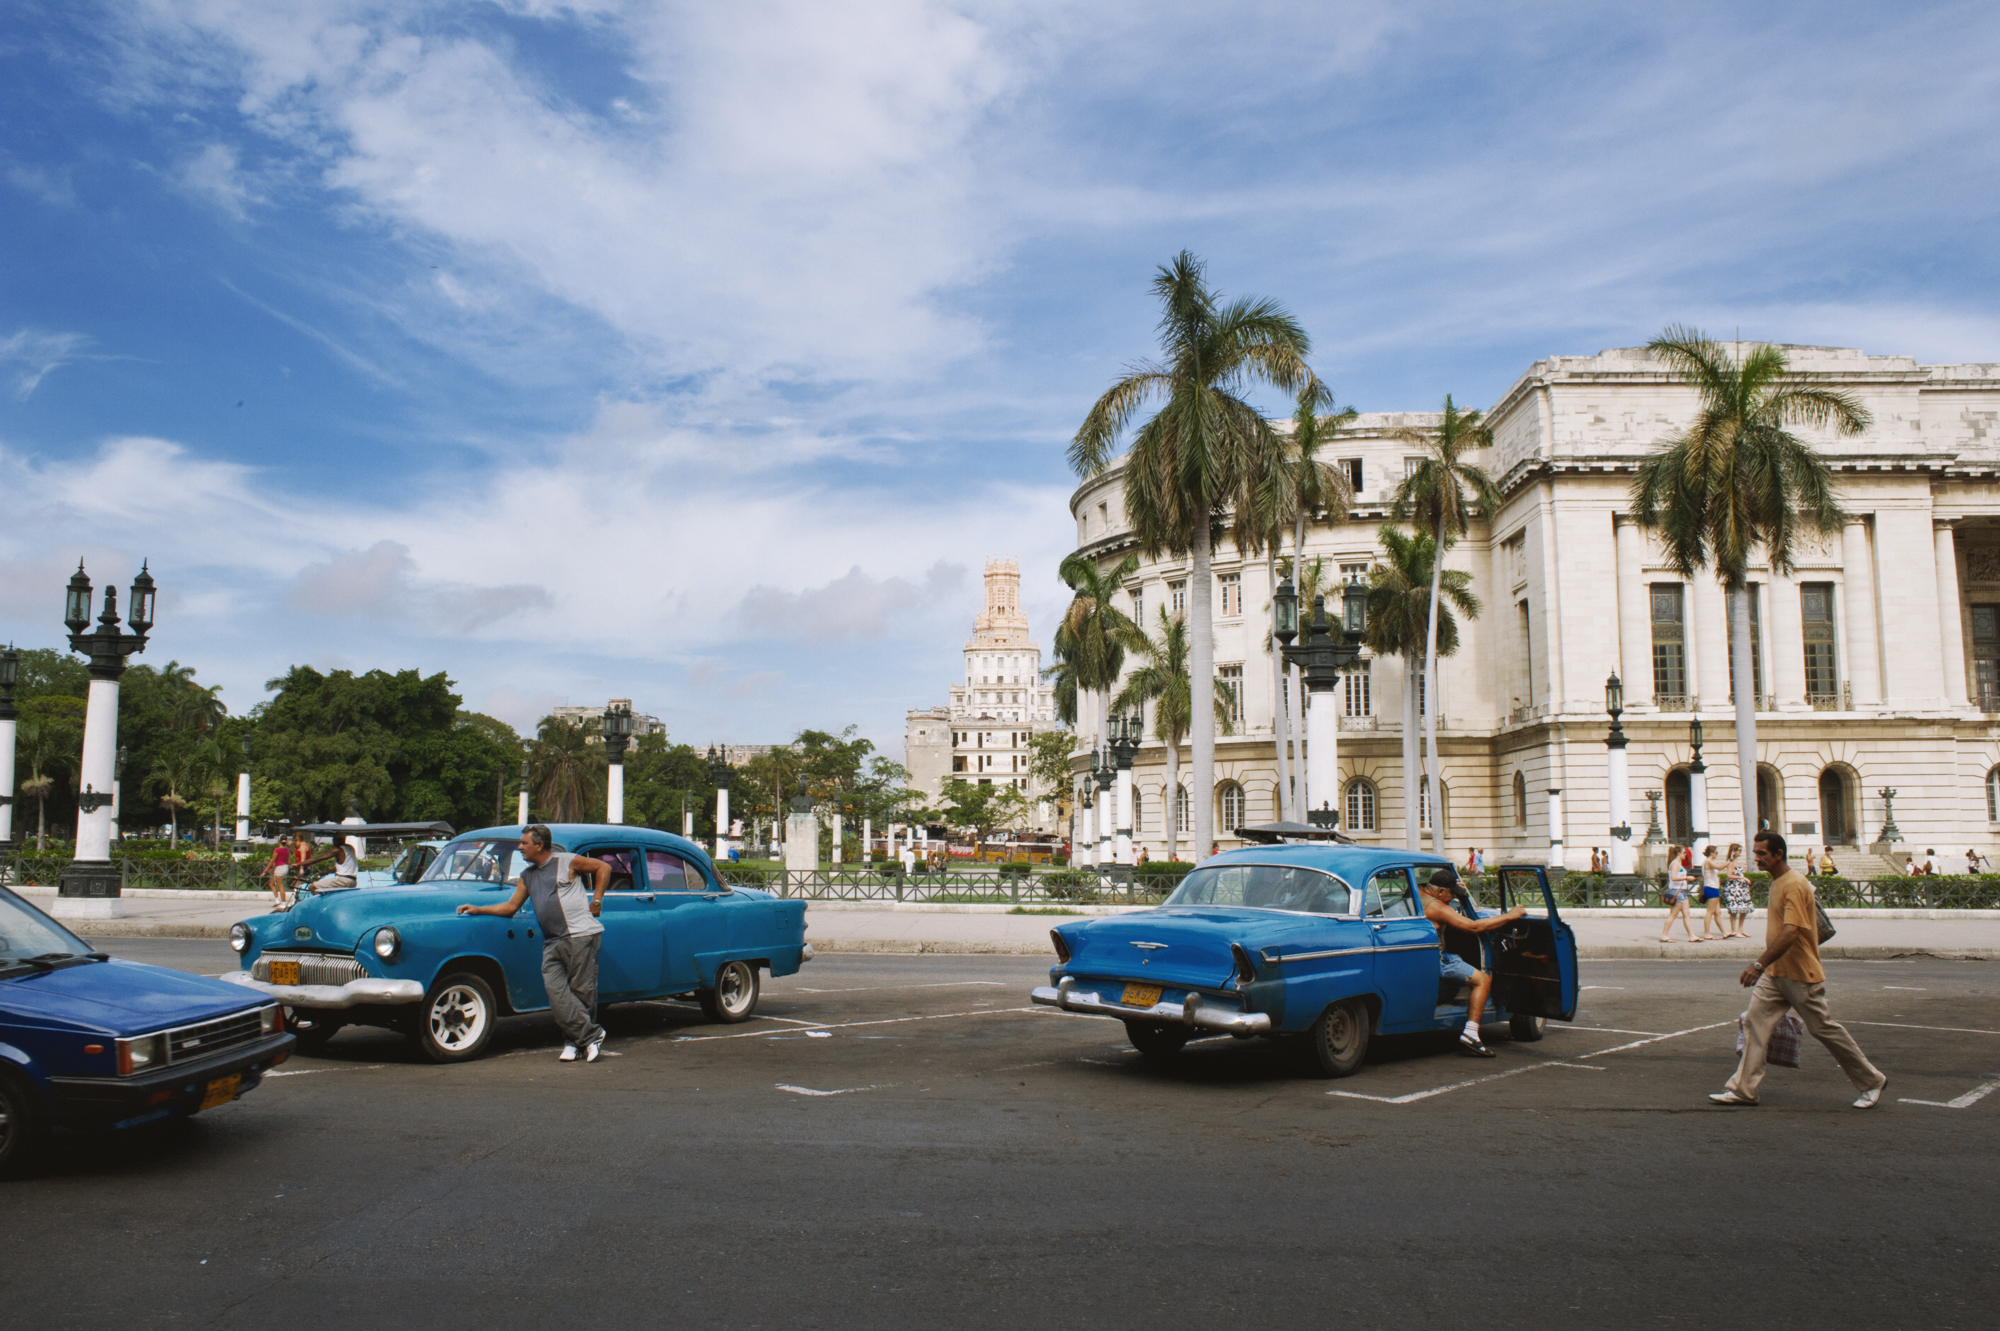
x: 1274, y: 834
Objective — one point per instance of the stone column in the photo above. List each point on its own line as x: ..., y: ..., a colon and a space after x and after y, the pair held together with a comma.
x: 1624, y: 855
x: 1906, y: 555
x: 1635, y: 617
x: 90, y: 887
x: 1951, y: 617
x: 1784, y: 631
x: 1555, y: 828
x: 1122, y: 849
x: 801, y: 839
x: 1322, y: 749
x: 1698, y: 807
x: 1708, y: 619
x: 1861, y: 670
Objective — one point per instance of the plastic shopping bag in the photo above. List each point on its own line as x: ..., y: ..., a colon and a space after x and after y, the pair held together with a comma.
x: 1783, y: 1049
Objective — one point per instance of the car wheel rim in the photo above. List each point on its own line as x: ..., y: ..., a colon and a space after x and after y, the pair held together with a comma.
x: 731, y: 989
x: 458, y: 1017
x: 1342, y: 1033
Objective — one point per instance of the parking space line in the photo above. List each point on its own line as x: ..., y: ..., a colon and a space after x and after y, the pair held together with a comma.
x: 807, y: 1090
x: 1966, y: 1101
x: 1608, y: 1030
x: 1671, y: 1035
x: 1905, y: 1026
x: 848, y: 1025
x: 1415, y: 1096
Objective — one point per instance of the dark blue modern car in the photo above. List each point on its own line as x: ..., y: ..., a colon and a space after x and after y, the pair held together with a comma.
x: 1325, y: 943
x: 89, y: 1041
x: 402, y: 957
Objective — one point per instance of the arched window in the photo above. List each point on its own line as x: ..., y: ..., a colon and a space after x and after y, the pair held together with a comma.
x: 1360, y: 805
x: 1231, y: 797
x: 1424, y: 804
x: 1183, y: 810
x: 1138, y: 811
x: 1521, y: 800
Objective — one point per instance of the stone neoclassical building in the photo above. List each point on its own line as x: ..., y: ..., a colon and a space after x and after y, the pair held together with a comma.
x: 981, y: 735
x: 1877, y: 660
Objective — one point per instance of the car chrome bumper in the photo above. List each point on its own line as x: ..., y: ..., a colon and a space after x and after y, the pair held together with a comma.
x: 352, y: 994
x: 1192, y: 1012
x: 806, y: 953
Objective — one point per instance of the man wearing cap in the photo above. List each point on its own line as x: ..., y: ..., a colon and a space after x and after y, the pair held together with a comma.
x: 1438, y: 895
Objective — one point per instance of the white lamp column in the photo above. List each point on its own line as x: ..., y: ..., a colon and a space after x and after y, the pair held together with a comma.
x: 90, y: 886
x: 521, y: 804
x: 10, y: 665
x: 1697, y: 793
x: 1322, y: 749
x: 1555, y: 828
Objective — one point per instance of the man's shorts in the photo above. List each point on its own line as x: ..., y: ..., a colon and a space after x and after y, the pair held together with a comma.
x: 1451, y: 966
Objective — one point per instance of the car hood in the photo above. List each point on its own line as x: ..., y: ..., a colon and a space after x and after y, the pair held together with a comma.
x: 1195, y: 941
x: 337, y: 921
x: 121, y: 997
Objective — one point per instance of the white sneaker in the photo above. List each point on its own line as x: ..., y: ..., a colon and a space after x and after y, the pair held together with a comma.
x: 1869, y: 1097
x: 591, y: 1050
x: 568, y: 1055
x: 1731, y: 1098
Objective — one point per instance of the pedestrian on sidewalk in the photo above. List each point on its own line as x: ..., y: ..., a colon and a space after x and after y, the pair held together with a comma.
x: 1711, y: 895
x: 571, y: 933
x: 1736, y: 892
x: 1788, y: 976
x: 274, y: 873
x: 1676, y: 895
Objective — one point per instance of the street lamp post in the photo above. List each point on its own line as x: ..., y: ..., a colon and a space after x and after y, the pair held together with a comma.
x: 617, y: 730
x: 118, y: 793
x: 1322, y: 654
x: 1083, y: 850
x: 10, y: 671
x: 521, y: 810
x: 1624, y: 855
x: 242, y: 792
x: 1125, y: 732
x: 1697, y: 792
x: 90, y: 886
x: 1106, y: 776
x: 719, y: 772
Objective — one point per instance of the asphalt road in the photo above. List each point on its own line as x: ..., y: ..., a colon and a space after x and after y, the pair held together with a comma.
x: 902, y: 1141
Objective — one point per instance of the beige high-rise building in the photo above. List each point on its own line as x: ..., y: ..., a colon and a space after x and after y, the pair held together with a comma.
x: 981, y: 736
x: 1877, y: 660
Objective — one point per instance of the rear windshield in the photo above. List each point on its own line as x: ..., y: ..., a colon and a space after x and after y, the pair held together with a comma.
x: 1270, y: 886
x: 474, y: 860
x: 27, y: 933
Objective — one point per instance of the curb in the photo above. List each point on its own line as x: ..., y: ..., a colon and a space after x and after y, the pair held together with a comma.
x: 137, y: 929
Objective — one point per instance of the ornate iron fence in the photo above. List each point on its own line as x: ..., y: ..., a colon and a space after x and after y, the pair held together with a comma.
x: 1074, y: 886
x: 207, y: 874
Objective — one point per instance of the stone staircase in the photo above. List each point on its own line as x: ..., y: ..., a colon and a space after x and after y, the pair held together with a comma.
x: 1855, y: 864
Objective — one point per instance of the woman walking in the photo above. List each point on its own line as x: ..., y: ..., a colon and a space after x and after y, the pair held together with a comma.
x: 1711, y: 895
x: 275, y: 871
x: 1736, y: 892
x: 1677, y: 896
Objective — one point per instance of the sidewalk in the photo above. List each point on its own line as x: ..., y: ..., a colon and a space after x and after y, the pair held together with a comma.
x: 853, y: 926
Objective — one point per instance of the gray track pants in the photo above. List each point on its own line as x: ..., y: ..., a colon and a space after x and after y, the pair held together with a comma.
x: 569, y: 973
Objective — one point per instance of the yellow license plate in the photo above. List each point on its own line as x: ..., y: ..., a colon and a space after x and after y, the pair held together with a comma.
x: 284, y: 972
x: 220, y: 1092
x: 1140, y: 995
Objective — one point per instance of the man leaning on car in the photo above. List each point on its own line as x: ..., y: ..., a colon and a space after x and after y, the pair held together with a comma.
x: 570, y: 934
x: 1438, y: 910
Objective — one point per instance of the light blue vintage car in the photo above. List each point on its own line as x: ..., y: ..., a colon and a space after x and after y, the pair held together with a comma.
x: 1327, y: 943
x: 402, y: 956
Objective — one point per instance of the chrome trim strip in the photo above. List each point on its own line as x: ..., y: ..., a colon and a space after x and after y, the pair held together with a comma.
x: 1407, y: 947
x: 1193, y: 1012
x: 333, y: 996
x: 1316, y: 956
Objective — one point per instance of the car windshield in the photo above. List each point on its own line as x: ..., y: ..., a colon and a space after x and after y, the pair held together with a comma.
x: 27, y: 934
x: 477, y: 860
x: 1267, y: 886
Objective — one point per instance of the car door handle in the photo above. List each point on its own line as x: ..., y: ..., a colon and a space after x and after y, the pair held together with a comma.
x: 711, y: 896
x: 643, y: 896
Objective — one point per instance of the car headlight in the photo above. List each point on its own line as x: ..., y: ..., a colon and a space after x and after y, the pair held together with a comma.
x: 239, y: 937
x: 272, y: 1019
x: 140, y: 1053
x: 388, y: 942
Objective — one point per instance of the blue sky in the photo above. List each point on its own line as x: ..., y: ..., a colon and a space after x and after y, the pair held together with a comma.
x: 700, y: 354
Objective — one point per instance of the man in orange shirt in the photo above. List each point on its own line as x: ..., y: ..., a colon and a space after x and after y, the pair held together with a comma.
x: 1788, y: 975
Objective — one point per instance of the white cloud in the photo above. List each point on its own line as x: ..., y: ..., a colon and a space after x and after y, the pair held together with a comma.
x: 37, y: 354
x: 214, y: 176
x: 51, y: 186
x: 380, y: 583
x: 851, y: 606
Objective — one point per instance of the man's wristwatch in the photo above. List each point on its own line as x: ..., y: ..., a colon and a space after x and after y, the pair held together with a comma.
x: 1757, y: 966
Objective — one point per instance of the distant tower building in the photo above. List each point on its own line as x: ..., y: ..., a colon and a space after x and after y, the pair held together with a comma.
x: 981, y: 736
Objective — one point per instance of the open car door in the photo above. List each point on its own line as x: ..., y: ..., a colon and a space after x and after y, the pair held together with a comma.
x: 1534, y: 959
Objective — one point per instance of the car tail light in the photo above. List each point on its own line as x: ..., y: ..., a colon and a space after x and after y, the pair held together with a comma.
x: 1246, y: 969
x: 1062, y: 947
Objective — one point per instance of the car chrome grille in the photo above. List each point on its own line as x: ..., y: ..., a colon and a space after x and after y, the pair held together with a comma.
x: 208, y: 1037
x: 314, y: 967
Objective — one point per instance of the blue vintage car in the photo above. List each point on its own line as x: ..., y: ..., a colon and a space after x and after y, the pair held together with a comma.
x: 88, y: 1041
x: 1324, y: 942
x: 402, y: 957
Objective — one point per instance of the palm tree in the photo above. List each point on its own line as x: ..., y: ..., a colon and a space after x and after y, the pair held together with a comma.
x: 1437, y: 496
x: 174, y: 772
x: 1163, y: 681
x: 1094, y: 633
x: 40, y: 744
x: 1400, y: 624
x: 1064, y: 676
x: 200, y: 709
x: 1735, y: 479
x: 563, y: 766
x: 1204, y: 448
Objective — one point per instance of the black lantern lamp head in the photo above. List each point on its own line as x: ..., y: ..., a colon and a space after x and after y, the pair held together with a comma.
x: 616, y: 727
x: 1694, y: 734
x: 1614, y: 696
x: 1285, y: 613
x: 10, y: 674
x: 139, y: 611
x: 76, y: 603
x: 718, y: 769
x: 1354, y: 610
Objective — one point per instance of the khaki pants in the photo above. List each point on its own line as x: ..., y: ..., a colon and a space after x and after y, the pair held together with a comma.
x: 1768, y: 1002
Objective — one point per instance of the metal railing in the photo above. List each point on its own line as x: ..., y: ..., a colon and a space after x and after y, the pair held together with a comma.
x: 1935, y: 892
x: 1114, y: 885
x: 200, y: 875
